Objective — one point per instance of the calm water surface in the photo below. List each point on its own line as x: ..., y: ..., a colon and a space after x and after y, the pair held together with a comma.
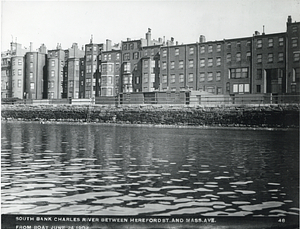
x: 119, y: 170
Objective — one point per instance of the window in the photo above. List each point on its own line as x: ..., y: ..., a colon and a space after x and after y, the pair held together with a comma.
x: 259, y: 43
x: 180, y: 64
x: 146, y: 63
x: 246, y: 87
x: 145, y: 77
x: 270, y: 57
x: 88, y: 82
x: 236, y: 73
x: 280, y: 41
x: 109, y: 69
x: 202, y: 49
x: 132, y: 46
x: 218, y: 61
x: 127, y: 67
x: 176, y: 52
x: 19, y: 83
x: 210, y: 89
x: 210, y: 48
x: 294, y: 29
x: 259, y: 58
x: 235, y: 88
x: 125, y: 80
x: 218, y: 76
x: 19, y: 62
x: 136, y: 55
x: 118, y: 56
x: 191, y: 63
x: 228, y: 87
x: 280, y: 56
x: 181, y: 78
x: 191, y: 77
x: 32, y: 86
x: 296, y: 56
x: 238, y: 57
x: 210, y: 62
x: 164, y: 53
x: 202, y: 63
x: 238, y: 44
x: 52, y: 73
x: 13, y: 61
x: 164, y: 65
x: 164, y: 79
x: 172, y: 64
x: 259, y: 74
x: 31, y: 65
x: 294, y: 42
x: 31, y: 57
x: 13, y: 72
x: 172, y: 78
x: 229, y: 45
x: 248, y: 43
x: 137, y: 80
x: 219, y: 90
x: 228, y: 57
x: 258, y: 88
x: 126, y: 56
x: 89, y: 68
x: 240, y: 88
x: 109, y: 56
x: 209, y: 76
x: 202, y: 77
x: 124, y: 47
x: 191, y: 50
x: 218, y: 48
x: 109, y: 91
x: 19, y: 72
x: 31, y: 75
x: 248, y: 54
x: 270, y: 42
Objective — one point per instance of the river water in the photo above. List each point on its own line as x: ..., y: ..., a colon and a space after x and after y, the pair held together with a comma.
x: 126, y: 170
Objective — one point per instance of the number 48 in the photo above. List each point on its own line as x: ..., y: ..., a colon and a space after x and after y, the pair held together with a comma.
x: 281, y: 220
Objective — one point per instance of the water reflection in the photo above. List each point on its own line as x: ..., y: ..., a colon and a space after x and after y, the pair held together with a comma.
x: 114, y: 170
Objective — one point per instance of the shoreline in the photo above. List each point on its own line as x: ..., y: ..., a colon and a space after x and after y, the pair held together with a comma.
x: 240, y: 117
x: 154, y: 125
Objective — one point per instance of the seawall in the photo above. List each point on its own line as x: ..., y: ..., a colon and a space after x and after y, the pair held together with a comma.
x: 271, y: 116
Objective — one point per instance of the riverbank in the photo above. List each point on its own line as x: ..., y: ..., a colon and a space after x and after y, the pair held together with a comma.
x: 268, y: 116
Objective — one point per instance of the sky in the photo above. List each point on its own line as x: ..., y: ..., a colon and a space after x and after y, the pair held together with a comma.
x: 68, y: 22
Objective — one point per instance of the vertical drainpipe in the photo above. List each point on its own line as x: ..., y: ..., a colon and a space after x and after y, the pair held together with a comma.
x: 252, y: 67
x: 168, y: 66
x: 185, y: 68
x: 286, y: 62
x: 196, y: 65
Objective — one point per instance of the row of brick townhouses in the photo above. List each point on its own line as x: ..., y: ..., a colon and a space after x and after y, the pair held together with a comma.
x: 262, y: 63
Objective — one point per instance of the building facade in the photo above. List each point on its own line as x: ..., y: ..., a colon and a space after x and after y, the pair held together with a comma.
x: 258, y: 64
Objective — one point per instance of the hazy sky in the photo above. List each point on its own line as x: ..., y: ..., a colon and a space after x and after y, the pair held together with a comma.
x: 66, y: 22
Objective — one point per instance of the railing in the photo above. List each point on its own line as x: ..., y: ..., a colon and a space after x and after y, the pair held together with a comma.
x: 166, y: 100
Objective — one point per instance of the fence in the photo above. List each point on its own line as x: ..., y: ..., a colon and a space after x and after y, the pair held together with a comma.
x: 130, y: 99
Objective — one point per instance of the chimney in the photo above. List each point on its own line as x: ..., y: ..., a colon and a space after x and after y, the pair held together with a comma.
x: 148, y: 37
x: 256, y: 33
x: 128, y: 39
x: 91, y: 40
x: 202, y: 39
x: 31, y: 47
x: 263, y: 33
x: 108, y: 45
x: 289, y: 20
x: 172, y: 41
x: 160, y: 40
x: 176, y: 42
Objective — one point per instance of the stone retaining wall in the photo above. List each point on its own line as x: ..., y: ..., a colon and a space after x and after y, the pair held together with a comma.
x: 280, y: 116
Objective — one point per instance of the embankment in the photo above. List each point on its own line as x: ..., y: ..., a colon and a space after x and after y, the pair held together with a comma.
x: 271, y: 116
